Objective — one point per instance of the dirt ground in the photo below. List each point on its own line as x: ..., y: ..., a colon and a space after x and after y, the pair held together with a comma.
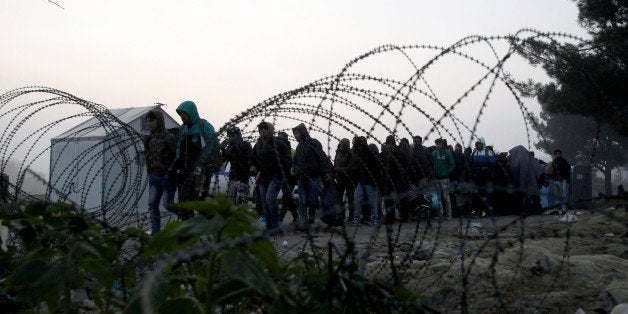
x: 538, y: 264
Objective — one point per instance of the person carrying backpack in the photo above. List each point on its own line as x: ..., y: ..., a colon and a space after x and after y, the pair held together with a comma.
x: 197, y: 149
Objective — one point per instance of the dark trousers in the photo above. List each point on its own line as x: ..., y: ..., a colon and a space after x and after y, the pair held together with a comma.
x: 343, y: 188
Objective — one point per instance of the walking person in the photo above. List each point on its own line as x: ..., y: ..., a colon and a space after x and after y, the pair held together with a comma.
x: 288, y: 203
x: 197, y: 149
x: 345, y: 183
x: 367, y: 173
x: 271, y: 158
x: 160, y: 150
x: 237, y: 152
x: 310, y: 166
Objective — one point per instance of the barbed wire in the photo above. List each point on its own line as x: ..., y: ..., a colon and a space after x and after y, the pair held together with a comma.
x: 451, y: 261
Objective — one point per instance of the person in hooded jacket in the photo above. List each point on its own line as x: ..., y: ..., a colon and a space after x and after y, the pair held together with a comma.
x: 271, y: 158
x: 525, y: 172
x: 237, y: 152
x: 396, y: 183
x: 287, y: 201
x: 367, y: 172
x: 310, y: 166
x: 345, y: 184
x: 482, y: 162
x: 160, y: 149
x: 197, y: 148
x: 421, y: 165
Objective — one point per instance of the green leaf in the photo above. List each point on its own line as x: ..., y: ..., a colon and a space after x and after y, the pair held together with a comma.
x: 199, y: 226
x: 179, y: 306
x: 36, y: 280
x: 35, y: 209
x: 265, y: 251
x: 241, y: 266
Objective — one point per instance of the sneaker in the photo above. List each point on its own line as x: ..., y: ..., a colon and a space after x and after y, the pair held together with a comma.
x: 354, y: 222
x: 262, y: 219
x: 374, y: 223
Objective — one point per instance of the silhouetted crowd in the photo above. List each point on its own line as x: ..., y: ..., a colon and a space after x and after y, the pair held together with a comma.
x: 363, y: 184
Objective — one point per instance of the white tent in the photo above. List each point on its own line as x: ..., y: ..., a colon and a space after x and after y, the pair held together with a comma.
x: 98, y: 165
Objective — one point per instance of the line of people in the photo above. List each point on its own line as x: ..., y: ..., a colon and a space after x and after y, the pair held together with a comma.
x: 364, y: 184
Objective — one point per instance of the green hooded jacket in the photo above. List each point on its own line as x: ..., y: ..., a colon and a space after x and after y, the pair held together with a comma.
x: 210, y: 145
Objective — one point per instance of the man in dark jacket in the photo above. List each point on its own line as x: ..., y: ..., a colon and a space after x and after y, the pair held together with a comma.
x: 420, y: 165
x: 367, y: 172
x: 237, y: 152
x: 196, y: 150
x: 310, y: 166
x: 287, y: 201
x: 160, y: 149
x: 345, y: 184
x: 396, y: 183
x: 271, y: 158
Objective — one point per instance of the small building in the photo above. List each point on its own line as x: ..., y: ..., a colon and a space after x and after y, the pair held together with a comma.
x: 99, y: 165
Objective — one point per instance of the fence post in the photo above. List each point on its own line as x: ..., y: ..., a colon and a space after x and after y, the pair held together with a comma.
x: 4, y: 189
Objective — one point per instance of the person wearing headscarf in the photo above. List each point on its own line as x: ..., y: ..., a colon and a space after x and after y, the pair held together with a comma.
x: 525, y: 172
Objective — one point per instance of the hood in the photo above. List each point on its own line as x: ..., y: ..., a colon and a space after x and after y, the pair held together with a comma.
x: 518, y: 154
x: 374, y: 149
x: 302, y: 129
x: 481, y: 140
x: 157, y: 115
x: 344, y: 144
x: 271, y: 130
x: 189, y: 107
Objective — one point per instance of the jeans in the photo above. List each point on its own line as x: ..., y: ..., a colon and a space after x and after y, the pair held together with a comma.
x: 159, y: 189
x: 269, y: 189
x: 341, y: 189
x: 371, y: 194
x: 443, y: 190
x: 309, y: 191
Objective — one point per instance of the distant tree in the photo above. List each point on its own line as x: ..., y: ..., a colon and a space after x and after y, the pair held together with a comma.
x: 589, y: 78
x: 584, y: 107
x: 576, y: 136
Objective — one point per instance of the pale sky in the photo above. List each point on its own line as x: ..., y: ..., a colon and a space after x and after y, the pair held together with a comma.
x: 228, y: 56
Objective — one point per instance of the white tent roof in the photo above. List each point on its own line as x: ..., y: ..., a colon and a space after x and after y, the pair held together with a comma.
x: 93, y: 129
